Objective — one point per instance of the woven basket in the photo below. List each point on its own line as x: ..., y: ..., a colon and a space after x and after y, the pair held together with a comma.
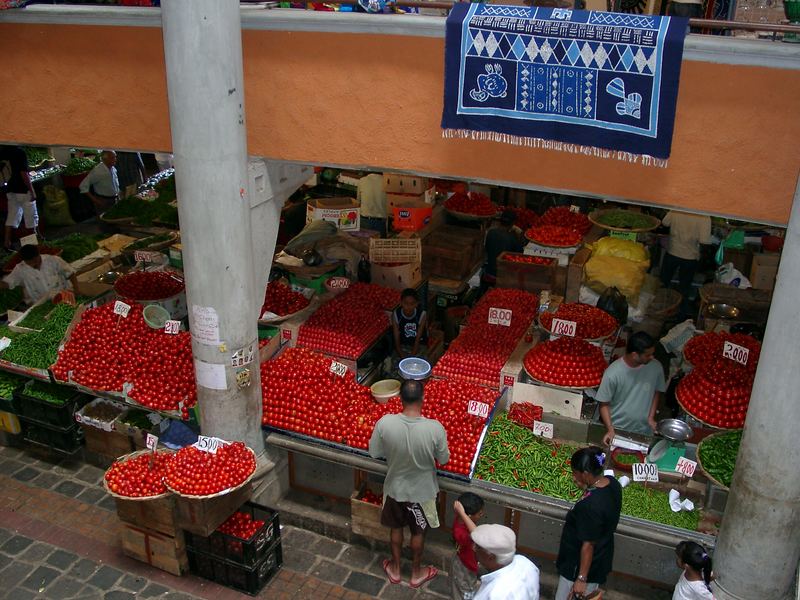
x: 135, y: 498
x: 700, y: 465
x: 665, y: 304
x: 217, y: 494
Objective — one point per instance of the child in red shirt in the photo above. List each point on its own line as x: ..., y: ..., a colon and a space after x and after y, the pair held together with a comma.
x: 464, y: 566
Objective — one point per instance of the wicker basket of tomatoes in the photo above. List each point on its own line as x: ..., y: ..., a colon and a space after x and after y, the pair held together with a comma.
x: 563, y: 216
x: 146, y: 286
x: 708, y: 347
x: 197, y: 474
x: 566, y: 362
x: 138, y: 475
x: 554, y: 236
x: 591, y: 323
x: 470, y: 206
x: 282, y: 302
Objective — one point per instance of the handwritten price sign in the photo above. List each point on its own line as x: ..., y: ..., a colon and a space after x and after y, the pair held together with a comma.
x: 645, y: 472
x: 478, y: 409
x: 209, y: 444
x: 562, y: 327
x: 338, y: 368
x: 500, y: 316
x: 172, y: 327
x: 542, y: 429
x: 686, y: 466
x: 144, y: 256
x: 736, y: 352
x: 152, y: 442
x: 121, y: 309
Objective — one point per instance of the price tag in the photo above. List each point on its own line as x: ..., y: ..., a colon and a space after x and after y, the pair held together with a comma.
x: 286, y: 334
x: 735, y: 352
x: 172, y: 327
x: 543, y: 429
x: 121, y: 309
x: 509, y: 380
x: 478, y: 409
x: 686, y: 466
x: 574, y: 208
x: 338, y: 368
x: 645, y: 472
x: 209, y: 444
x: 500, y: 316
x: 624, y: 235
x: 144, y: 256
x: 151, y: 442
x: 337, y: 283
x: 562, y: 327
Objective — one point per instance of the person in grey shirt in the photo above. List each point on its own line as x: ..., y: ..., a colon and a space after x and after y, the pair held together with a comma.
x: 411, y: 445
x: 631, y: 389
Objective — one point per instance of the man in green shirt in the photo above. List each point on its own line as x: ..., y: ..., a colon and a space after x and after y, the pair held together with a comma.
x: 631, y: 389
x: 411, y: 445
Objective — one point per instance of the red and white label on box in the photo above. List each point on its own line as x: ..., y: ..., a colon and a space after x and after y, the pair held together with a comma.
x: 735, y: 352
x: 286, y: 334
x: 509, y: 380
x: 500, y: 316
x: 564, y: 327
x: 478, y: 409
x: 685, y: 466
x: 543, y: 429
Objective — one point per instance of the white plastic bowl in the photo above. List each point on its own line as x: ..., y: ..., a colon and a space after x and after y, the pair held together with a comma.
x: 384, y: 390
x: 414, y: 368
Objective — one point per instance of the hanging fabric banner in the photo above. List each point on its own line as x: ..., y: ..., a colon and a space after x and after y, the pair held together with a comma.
x: 580, y: 81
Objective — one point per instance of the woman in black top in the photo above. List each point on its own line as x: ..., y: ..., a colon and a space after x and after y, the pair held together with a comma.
x: 586, y: 551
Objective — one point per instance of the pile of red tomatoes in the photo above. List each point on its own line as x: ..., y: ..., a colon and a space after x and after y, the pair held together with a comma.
x: 479, y: 353
x: 282, y: 300
x: 149, y: 285
x: 106, y: 351
x: 383, y: 297
x: 554, y: 235
x: 346, y: 325
x: 194, y: 472
x: 527, y: 259
x: 707, y: 348
x: 471, y: 203
x: 566, y: 362
x: 562, y: 216
x: 137, y: 477
x: 241, y: 525
x: 590, y: 322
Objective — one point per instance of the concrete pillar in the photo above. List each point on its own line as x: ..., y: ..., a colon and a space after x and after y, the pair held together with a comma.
x: 759, y: 544
x: 203, y: 51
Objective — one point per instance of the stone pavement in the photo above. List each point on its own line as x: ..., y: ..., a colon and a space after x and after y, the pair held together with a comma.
x: 59, y: 540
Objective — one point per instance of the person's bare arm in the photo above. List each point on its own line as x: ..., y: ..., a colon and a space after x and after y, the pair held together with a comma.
x: 651, y: 416
x: 459, y: 510
x: 587, y: 553
x: 605, y: 417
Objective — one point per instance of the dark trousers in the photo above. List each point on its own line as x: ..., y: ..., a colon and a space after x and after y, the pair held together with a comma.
x: 686, y: 269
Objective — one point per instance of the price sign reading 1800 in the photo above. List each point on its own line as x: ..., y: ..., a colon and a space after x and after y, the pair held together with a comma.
x: 479, y: 409
x: 735, y: 352
x: 562, y: 327
x: 686, y: 466
x: 500, y: 316
x: 645, y: 472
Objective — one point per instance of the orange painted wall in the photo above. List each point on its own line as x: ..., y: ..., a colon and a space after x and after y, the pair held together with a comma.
x: 376, y: 101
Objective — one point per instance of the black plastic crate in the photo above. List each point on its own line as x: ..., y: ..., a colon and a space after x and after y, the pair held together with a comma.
x: 10, y: 403
x: 66, y: 439
x: 250, y: 580
x: 243, y: 552
x: 56, y: 415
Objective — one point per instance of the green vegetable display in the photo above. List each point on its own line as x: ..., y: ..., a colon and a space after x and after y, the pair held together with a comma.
x: 36, y: 156
x: 76, y: 245
x: 9, y: 384
x: 149, y: 241
x: 54, y: 394
x: 718, y: 455
x: 39, y: 350
x: 513, y: 456
x: 653, y: 505
x: 626, y: 459
x: 625, y: 219
x: 36, y: 318
x: 78, y: 165
x: 10, y: 299
x: 138, y: 418
x: 144, y: 212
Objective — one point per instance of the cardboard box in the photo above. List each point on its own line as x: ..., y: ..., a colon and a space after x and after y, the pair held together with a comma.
x: 92, y: 273
x: 396, y: 183
x: 764, y: 270
x: 345, y: 213
x: 203, y: 516
x: 399, y: 277
x: 552, y: 400
x: 575, y: 274
x: 365, y: 517
x: 411, y: 216
x: 513, y: 369
x: 164, y: 552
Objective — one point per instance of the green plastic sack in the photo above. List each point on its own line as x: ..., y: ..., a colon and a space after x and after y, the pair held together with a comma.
x: 735, y: 239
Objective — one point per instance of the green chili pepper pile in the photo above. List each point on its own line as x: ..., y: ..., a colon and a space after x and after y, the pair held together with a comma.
x: 625, y: 219
x: 9, y: 384
x: 718, y: 455
x: 39, y: 349
x: 144, y: 212
x: 513, y: 456
x: 78, y: 165
x: 626, y: 459
x: 36, y: 318
x: 54, y: 394
x: 653, y: 505
x: 76, y: 245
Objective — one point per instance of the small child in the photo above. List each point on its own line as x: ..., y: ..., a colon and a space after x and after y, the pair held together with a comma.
x: 409, y: 325
x: 464, y: 566
x: 695, y: 581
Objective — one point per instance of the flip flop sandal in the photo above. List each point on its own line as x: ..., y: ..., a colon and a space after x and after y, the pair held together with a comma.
x: 432, y: 572
x: 391, y: 579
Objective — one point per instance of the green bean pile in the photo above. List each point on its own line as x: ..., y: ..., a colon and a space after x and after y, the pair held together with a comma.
x: 36, y: 318
x: 39, y: 350
x: 9, y: 384
x: 513, y: 456
x: 75, y: 245
x: 54, y: 394
x: 653, y: 505
x: 718, y: 455
x: 625, y: 219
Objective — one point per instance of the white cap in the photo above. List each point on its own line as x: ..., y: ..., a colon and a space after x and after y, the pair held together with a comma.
x: 497, y: 539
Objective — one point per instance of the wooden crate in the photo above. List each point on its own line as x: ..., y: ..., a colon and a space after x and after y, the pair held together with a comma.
x: 158, y: 515
x: 524, y: 276
x: 109, y: 444
x: 204, y: 516
x: 452, y: 252
x: 164, y: 552
x: 365, y: 517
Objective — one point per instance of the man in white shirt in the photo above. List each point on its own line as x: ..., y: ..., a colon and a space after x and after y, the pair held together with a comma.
x: 511, y: 576
x: 686, y: 233
x: 102, y: 183
x: 39, y: 275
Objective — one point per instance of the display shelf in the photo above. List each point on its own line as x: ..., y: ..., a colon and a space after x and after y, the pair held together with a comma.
x: 40, y: 374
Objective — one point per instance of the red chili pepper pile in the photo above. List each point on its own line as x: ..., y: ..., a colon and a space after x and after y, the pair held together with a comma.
x: 554, y: 235
x: 479, y: 353
x: 241, y: 525
x: 471, y: 203
x: 527, y: 259
x: 106, y: 351
x: 193, y: 472
x: 525, y: 413
x: 591, y: 322
x: 706, y: 348
x: 566, y: 362
x: 345, y: 325
x: 564, y: 217
x: 281, y: 299
x: 148, y: 285
x: 135, y: 478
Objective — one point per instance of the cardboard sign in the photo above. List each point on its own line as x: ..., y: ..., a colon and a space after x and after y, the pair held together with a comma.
x: 685, y: 466
x: 209, y: 444
x: 144, y: 256
x: 172, y: 327
x: 478, y: 409
x: 542, y: 429
x: 736, y: 352
x: 152, y: 442
x: 121, y: 309
x: 500, y: 316
x: 645, y: 472
x: 574, y: 208
x: 337, y: 283
x: 564, y: 327
x: 338, y: 368
x: 624, y: 235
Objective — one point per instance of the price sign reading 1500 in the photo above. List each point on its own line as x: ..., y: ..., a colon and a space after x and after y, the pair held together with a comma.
x: 500, y: 316
x: 562, y: 327
x: 735, y: 352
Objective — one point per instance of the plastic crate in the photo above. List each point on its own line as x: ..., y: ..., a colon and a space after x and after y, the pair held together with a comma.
x: 242, y: 552
x: 48, y: 413
x: 395, y: 250
x: 67, y: 440
x: 10, y: 404
x: 250, y: 580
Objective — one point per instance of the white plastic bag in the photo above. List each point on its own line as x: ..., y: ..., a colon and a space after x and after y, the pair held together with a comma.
x: 727, y: 273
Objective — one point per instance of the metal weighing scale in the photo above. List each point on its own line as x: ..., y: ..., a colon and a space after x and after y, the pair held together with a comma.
x: 666, y: 452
